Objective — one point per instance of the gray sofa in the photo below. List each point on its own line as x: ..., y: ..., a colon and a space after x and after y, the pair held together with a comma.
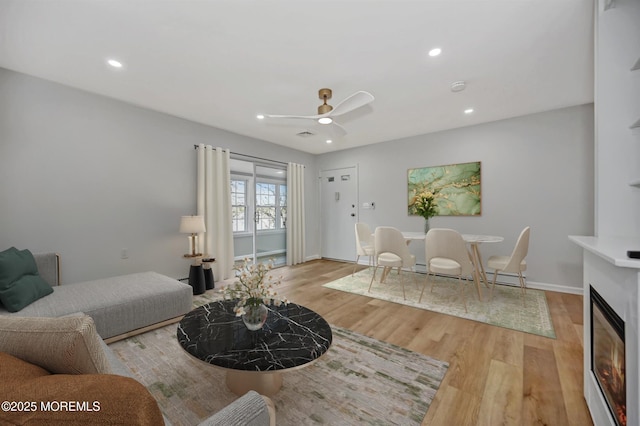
x: 120, y: 306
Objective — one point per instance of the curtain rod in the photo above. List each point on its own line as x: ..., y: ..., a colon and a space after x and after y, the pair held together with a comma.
x: 252, y: 156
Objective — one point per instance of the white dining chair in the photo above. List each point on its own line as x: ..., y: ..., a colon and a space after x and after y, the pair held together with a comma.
x: 391, y: 251
x: 446, y: 254
x: 515, y: 263
x: 364, y: 244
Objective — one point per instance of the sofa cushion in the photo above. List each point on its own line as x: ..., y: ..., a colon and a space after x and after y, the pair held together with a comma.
x: 66, y: 345
x: 20, y: 283
x: 14, y: 368
x: 80, y: 399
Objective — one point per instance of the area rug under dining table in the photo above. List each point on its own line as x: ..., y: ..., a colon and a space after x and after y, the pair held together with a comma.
x: 507, y: 308
x: 360, y: 380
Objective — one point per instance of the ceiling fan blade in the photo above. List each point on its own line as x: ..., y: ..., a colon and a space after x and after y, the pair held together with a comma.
x: 333, y: 129
x: 337, y: 131
x: 304, y: 117
x: 355, y: 101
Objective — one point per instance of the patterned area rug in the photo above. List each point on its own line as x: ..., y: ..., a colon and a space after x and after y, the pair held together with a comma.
x: 360, y: 380
x: 507, y: 309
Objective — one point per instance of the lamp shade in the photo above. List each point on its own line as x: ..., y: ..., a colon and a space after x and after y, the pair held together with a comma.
x: 192, y: 224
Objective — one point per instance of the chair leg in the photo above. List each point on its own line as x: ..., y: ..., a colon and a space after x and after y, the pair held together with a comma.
x: 373, y: 277
x: 523, y: 284
x: 426, y: 281
x: 404, y: 295
x: 355, y: 265
x: 385, y: 273
x: 493, y: 284
x: 523, y: 289
x: 433, y: 282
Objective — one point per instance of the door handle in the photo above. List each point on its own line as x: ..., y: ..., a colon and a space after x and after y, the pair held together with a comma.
x: 353, y: 215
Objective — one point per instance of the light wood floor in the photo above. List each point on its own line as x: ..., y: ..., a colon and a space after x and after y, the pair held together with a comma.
x: 496, y: 376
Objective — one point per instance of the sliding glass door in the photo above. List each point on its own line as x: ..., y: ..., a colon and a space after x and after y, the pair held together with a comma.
x: 259, y: 215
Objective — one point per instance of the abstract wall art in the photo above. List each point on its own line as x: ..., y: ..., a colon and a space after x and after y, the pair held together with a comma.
x: 455, y: 187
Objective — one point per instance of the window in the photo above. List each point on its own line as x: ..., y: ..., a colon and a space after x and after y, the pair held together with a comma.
x: 270, y: 209
x: 283, y: 206
x: 239, y: 205
x: 265, y: 206
x: 271, y: 205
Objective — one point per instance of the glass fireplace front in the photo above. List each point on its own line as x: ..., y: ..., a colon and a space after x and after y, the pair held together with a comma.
x: 608, y: 356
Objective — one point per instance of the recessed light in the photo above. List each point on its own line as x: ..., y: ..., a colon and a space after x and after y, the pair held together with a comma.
x: 325, y: 120
x: 435, y: 51
x: 468, y: 110
x: 329, y: 141
x: 114, y: 63
x: 260, y: 117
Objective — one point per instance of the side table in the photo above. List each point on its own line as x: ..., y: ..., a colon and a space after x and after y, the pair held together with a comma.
x: 196, y: 275
x: 209, y: 281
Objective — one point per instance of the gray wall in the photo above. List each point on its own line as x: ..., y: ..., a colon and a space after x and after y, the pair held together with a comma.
x: 86, y: 176
x: 537, y: 170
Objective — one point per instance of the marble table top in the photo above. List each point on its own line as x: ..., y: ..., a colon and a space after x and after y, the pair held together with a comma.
x: 292, y: 336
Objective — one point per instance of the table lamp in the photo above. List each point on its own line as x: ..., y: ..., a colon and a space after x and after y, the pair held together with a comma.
x: 192, y: 225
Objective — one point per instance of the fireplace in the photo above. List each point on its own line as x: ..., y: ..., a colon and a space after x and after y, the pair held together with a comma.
x: 608, y: 356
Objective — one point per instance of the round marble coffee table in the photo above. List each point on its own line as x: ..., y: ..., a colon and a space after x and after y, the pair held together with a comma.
x: 292, y: 337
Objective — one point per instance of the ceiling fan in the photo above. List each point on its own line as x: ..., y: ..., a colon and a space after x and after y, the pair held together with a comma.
x: 326, y: 112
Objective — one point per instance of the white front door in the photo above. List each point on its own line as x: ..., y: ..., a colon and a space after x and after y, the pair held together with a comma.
x: 339, y: 200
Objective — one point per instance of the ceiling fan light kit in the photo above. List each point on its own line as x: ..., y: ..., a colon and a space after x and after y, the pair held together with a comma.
x: 325, y: 108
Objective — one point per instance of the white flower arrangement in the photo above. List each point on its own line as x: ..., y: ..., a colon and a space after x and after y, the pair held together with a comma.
x: 254, y: 286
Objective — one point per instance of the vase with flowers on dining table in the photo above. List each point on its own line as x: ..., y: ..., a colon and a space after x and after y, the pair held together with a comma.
x: 426, y: 226
x: 424, y: 204
x: 253, y: 290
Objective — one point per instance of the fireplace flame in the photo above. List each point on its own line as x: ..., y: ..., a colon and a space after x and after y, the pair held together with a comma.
x: 617, y: 368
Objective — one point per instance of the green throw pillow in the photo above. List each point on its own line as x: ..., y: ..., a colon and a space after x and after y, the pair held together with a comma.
x: 20, y: 283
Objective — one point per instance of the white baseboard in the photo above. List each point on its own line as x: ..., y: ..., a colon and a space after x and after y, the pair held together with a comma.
x: 512, y: 280
x: 555, y: 287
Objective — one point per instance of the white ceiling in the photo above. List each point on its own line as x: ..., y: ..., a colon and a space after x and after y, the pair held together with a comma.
x: 222, y: 62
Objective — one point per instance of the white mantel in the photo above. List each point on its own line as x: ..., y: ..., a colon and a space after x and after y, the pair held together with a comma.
x: 617, y: 278
x: 613, y: 250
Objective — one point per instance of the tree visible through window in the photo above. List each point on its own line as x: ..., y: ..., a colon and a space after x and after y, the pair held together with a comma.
x: 283, y: 206
x: 265, y: 206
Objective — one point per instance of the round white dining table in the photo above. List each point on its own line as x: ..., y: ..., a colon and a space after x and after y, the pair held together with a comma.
x: 474, y: 241
x: 409, y: 236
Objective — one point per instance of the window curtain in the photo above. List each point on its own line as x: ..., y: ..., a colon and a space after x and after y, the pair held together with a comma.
x: 214, y: 203
x: 295, y: 214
